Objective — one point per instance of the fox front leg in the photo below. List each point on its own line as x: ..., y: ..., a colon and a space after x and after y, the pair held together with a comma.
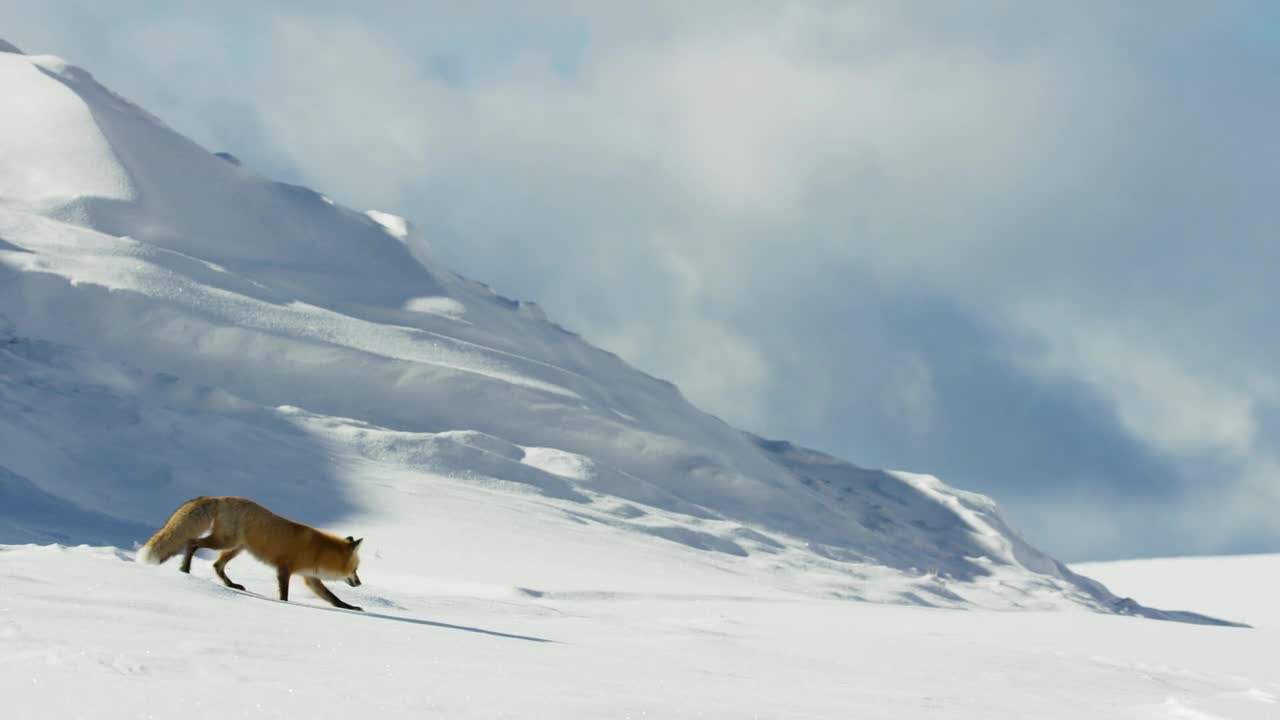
x: 326, y: 594
x: 282, y: 576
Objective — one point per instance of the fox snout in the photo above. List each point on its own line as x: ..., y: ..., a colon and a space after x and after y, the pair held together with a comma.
x: 354, y: 580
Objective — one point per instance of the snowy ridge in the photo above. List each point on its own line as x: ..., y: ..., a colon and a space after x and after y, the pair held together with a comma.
x: 182, y: 326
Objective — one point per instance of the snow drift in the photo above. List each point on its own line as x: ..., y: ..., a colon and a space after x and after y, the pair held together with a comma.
x: 175, y: 325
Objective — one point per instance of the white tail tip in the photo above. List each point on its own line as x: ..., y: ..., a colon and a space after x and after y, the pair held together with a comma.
x: 146, y: 556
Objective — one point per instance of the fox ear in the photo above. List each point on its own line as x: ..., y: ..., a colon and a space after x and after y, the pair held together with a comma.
x: 350, y: 539
x: 355, y: 543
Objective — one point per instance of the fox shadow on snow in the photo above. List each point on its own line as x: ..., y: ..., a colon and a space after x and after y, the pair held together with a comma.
x: 402, y: 619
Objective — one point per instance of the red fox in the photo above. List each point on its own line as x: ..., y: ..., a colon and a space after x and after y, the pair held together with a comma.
x: 239, y: 524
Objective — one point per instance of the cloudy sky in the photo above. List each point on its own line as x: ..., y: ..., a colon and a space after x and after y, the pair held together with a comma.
x: 1028, y: 247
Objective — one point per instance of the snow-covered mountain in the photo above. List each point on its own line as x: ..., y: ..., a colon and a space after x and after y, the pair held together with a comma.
x: 176, y: 325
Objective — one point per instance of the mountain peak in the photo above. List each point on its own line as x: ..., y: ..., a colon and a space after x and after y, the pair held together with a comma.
x: 190, y: 327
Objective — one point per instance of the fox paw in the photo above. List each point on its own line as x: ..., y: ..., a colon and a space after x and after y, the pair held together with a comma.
x: 236, y: 586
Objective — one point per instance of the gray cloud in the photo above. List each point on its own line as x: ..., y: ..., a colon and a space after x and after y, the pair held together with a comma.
x: 1021, y: 246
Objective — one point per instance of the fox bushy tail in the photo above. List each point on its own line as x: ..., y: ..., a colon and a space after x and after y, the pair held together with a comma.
x: 186, y: 523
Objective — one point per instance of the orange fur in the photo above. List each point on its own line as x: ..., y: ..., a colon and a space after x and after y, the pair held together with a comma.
x: 236, y: 524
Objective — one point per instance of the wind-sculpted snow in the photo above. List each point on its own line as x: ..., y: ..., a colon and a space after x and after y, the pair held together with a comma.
x: 178, y: 325
x: 81, y: 437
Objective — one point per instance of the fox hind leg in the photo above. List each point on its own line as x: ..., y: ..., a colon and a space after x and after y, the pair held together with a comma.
x: 209, y: 542
x: 319, y: 589
x: 220, y: 565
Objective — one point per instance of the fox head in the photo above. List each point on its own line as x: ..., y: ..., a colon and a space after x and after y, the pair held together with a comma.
x: 353, y: 561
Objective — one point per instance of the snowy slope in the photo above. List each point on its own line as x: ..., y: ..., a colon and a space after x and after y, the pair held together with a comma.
x: 87, y: 633
x: 175, y: 325
x: 1245, y: 588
